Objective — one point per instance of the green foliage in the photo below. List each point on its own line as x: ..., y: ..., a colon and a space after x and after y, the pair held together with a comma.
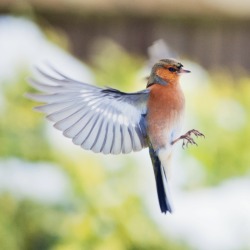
x: 21, y: 129
x: 123, y: 226
x: 27, y: 225
x: 221, y: 111
x: 113, y: 66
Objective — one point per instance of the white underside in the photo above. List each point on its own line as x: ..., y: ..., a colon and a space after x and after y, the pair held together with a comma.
x: 165, y: 153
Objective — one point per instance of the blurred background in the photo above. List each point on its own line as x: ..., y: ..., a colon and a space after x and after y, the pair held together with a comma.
x: 53, y: 195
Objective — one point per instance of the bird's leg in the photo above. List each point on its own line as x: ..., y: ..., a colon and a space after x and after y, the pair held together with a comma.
x: 187, y: 139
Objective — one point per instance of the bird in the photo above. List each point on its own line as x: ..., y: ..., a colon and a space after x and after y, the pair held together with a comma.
x: 109, y: 121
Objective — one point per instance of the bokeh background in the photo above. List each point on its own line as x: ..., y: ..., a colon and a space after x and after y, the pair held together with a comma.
x: 53, y: 195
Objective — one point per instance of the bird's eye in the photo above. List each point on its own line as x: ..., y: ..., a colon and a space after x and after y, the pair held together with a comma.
x: 172, y: 69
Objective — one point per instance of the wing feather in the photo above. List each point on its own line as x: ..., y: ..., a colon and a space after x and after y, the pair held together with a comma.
x: 97, y: 119
x: 54, y: 107
x: 108, y: 141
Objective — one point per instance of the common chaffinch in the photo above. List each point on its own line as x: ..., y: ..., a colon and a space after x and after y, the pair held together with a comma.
x: 110, y: 121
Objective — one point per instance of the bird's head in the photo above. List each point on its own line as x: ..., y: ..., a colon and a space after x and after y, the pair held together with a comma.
x: 166, y: 71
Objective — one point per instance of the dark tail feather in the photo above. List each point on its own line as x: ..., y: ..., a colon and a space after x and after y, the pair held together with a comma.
x: 161, y: 183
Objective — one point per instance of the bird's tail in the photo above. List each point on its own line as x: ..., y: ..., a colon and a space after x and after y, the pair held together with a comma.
x: 161, y: 183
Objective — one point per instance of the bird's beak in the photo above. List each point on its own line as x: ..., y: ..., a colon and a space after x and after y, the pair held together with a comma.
x: 182, y: 70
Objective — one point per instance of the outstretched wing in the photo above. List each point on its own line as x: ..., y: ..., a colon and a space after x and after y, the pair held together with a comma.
x: 97, y: 119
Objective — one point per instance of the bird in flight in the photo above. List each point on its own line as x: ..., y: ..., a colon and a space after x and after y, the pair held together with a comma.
x: 109, y: 121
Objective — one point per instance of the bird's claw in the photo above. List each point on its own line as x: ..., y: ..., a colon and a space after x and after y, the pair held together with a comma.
x: 195, y: 132
x: 187, y: 139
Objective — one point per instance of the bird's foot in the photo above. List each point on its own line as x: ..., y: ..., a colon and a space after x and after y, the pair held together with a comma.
x: 187, y: 138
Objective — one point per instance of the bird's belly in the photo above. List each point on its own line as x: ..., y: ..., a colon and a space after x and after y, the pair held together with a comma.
x: 163, y: 132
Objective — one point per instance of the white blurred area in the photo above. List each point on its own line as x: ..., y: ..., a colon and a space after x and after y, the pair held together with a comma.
x: 212, y: 218
x: 204, y: 218
x: 207, y: 218
x: 23, y: 46
x: 42, y: 182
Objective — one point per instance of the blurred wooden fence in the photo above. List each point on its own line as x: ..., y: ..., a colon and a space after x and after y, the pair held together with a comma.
x: 215, y: 34
x: 213, y: 43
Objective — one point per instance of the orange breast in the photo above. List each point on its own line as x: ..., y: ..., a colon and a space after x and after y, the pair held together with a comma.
x: 165, y: 109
